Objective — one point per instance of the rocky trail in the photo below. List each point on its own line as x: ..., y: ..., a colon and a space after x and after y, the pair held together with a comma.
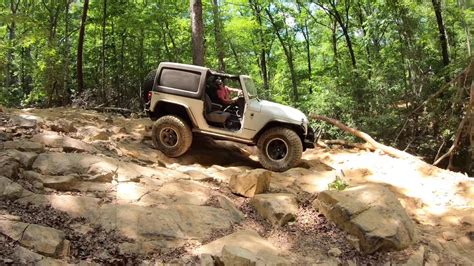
x: 82, y: 187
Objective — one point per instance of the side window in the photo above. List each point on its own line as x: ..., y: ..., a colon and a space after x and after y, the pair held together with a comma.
x: 182, y: 80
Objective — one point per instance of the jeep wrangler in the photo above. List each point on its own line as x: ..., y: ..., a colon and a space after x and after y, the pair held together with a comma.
x: 181, y: 99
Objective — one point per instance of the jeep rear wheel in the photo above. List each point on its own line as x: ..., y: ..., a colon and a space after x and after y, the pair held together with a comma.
x: 279, y: 149
x: 172, y: 135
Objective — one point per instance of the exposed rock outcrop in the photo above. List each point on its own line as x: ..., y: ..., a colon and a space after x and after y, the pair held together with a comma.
x: 371, y: 213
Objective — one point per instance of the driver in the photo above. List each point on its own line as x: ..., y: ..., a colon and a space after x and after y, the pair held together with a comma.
x: 223, y: 93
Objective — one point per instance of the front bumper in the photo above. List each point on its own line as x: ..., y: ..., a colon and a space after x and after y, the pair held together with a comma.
x: 309, y: 140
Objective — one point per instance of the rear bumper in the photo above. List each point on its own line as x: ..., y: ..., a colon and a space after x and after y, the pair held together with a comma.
x: 309, y: 140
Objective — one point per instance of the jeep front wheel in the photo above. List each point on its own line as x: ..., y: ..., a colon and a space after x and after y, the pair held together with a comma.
x: 279, y: 149
x: 172, y: 135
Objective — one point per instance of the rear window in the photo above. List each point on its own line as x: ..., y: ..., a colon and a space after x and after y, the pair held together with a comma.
x: 182, y: 80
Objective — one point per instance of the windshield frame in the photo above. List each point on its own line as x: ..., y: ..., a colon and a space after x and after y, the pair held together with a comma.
x: 250, y: 87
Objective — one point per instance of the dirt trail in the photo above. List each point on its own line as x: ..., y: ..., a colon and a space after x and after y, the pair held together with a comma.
x: 439, y: 201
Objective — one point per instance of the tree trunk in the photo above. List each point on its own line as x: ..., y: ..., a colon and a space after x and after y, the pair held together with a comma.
x: 80, y: 46
x: 218, y: 35
x: 257, y: 9
x: 10, y: 71
x: 197, y: 30
x: 443, y: 40
x: 334, y: 45
x: 104, y: 24
x: 288, y: 54
x: 66, y: 87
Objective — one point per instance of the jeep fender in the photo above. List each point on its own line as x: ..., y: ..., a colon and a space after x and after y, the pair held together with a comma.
x: 276, y: 123
x: 166, y: 107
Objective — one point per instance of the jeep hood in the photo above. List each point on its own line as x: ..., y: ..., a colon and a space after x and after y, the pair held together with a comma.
x: 282, y: 112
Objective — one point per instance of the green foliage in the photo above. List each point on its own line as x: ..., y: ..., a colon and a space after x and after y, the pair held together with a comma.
x: 338, y: 184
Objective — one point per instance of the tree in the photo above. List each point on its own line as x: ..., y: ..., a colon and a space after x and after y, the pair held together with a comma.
x: 197, y: 29
x: 80, y: 46
x: 218, y: 35
x: 443, y: 39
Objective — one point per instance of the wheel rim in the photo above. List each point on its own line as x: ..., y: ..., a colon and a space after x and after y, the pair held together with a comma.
x: 169, y: 137
x: 277, y: 149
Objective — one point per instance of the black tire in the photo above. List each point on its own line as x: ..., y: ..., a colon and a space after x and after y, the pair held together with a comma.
x: 172, y: 135
x: 279, y: 149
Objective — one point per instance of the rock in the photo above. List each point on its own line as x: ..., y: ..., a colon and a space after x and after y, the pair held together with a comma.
x: 263, y: 250
x: 92, y: 133
x: 62, y: 125
x: 26, y: 256
x: 99, y: 168
x: 180, y: 192
x: 198, y: 175
x: 417, y: 258
x: 250, y: 183
x: 45, y: 240
x: 236, y: 256
x: 9, y: 189
x: 25, y: 158
x: 432, y: 259
x: 206, y: 260
x: 12, y: 228
x: 62, y: 183
x: 278, y: 208
x: 334, y: 252
x: 4, y: 136
x: 9, y: 166
x: 448, y: 235
x: 371, y: 213
x: 24, y: 145
x: 228, y: 205
x: 24, y: 121
x: 66, y: 143
x: 76, y: 206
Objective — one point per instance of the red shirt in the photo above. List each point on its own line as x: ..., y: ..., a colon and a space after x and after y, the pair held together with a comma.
x: 223, y: 93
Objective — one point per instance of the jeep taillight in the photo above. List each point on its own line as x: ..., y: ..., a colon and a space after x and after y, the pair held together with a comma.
x: 149, y: 95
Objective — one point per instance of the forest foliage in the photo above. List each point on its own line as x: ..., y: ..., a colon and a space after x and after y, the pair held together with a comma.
x: 368, y: 63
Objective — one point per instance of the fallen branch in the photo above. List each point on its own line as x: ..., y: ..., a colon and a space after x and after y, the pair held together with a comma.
x: 456, y: 138
x: 362, y: 146
x: 376, y: 145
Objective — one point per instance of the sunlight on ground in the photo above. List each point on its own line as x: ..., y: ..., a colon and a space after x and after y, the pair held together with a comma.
x: 436, y: 190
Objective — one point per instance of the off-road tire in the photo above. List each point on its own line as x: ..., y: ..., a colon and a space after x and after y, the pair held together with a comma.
x: 175, y: 126
x: 294, y: 148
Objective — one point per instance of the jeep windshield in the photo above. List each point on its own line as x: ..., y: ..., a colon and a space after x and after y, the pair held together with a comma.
x: 250, y: 86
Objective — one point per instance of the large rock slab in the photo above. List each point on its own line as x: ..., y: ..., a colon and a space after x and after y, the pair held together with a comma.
x: 97, y: 167
x: 45, y: 240
x: 178, y: 192
x: 26, y: 159
x: 250, y: 183
x: 228, y: 205
x: 183, y: 222
x: 66, y: 143
x: 10, y: 189
x: 237, y: 256
x: 24, y: 145
x: 9, y: 166
x: 278, y: 208
x: 371, y: 213
x: 264, y: 252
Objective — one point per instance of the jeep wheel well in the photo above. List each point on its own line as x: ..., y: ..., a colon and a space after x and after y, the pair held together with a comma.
x: 298, y: 129
x: 167, y: 108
